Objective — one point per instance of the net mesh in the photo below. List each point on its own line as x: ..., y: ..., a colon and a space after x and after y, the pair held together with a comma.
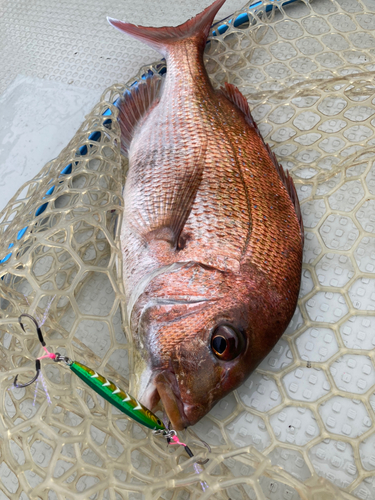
x: 302, y: 426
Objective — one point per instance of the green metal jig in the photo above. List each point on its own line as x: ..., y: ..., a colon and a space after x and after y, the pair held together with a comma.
x: 114, y: 395
x: 108, y: 390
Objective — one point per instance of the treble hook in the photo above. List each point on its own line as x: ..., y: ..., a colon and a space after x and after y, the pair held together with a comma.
x: 37, y: 361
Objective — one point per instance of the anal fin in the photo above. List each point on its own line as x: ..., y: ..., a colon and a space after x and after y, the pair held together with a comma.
x: 134, y: 105
x: 232, y: 93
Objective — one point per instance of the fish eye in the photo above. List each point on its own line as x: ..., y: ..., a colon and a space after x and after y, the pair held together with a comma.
x: 227, y: 343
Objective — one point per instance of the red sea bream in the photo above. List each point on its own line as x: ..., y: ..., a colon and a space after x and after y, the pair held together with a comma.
x: 212, y: 231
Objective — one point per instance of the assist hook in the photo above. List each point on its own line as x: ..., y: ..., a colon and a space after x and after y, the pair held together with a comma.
x: 37, y: 361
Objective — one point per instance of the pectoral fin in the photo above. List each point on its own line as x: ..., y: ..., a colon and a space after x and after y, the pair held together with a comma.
x: 163, y: 201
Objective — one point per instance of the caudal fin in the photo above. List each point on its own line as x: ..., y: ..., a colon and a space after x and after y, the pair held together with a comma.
x: 161, y: 39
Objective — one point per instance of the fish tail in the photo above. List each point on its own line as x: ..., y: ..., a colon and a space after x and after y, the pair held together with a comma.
x: 161, y: 39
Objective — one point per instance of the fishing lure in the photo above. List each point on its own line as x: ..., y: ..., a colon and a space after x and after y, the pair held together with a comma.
x: 107, y: 389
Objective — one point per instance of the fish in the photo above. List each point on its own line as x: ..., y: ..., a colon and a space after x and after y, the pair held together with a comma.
x: 212, y: 233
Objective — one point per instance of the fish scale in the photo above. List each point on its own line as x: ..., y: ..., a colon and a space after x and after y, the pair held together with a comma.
x: 212, y: 232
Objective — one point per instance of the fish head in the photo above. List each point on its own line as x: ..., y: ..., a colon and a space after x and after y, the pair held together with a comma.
x: 201, y: 342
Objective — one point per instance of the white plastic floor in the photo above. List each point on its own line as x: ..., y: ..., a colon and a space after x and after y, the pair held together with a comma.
x: 56, y: 58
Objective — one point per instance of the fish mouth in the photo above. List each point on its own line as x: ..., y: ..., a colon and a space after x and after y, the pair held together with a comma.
x: 164, y: 388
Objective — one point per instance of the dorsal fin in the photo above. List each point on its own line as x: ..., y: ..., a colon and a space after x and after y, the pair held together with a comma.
x: 134, y: 105
x: 232, y: 93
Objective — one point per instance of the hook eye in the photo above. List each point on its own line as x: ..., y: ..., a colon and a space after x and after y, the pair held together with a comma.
x: 37, y: 368
x: 38, y: 330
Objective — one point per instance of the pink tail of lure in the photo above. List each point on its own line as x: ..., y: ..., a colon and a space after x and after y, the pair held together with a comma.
x: 212, y: 230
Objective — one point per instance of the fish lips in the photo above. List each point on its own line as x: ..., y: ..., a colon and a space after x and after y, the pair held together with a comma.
x: 164, y: 388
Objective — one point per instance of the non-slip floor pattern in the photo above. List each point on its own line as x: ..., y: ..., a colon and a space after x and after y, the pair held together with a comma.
x: 71, y: 41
